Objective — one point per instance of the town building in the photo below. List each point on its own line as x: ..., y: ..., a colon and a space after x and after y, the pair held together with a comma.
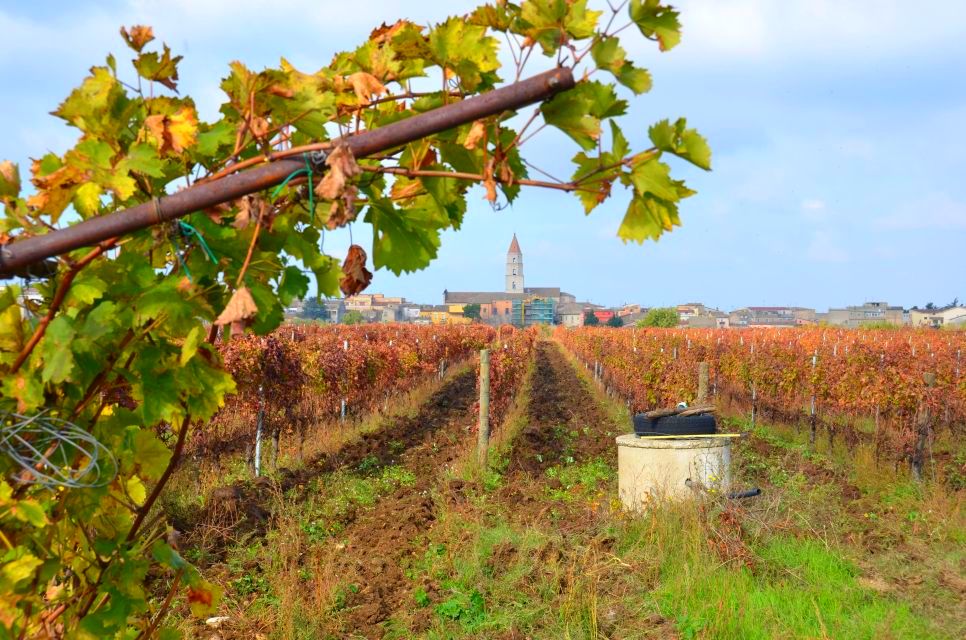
x: 497, y: 307
x: 867, y: 313
x: 772, y: 317
x: 952, y: 315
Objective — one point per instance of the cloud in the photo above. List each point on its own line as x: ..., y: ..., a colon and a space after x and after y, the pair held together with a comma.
x: 815, y: 29
x: 935, y: 211
x: 824, y: 248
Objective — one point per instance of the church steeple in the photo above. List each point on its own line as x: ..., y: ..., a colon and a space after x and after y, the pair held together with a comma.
x: 514, y: 267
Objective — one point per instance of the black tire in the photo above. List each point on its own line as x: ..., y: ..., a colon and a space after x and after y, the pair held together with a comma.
x: 700, y: 425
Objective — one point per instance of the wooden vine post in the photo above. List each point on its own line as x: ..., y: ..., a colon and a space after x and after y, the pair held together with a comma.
x: 483, y: 443
x: 702, y: 382
x: 923, y: 424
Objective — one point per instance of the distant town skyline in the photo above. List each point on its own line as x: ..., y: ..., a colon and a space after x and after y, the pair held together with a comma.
x: 836, y: 130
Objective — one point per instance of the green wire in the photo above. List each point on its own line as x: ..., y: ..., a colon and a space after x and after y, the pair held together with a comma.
x: 190, y: 230
x: 306, y: 170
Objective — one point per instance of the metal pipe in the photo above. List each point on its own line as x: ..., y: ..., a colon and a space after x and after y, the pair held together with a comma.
x: 22, y: 253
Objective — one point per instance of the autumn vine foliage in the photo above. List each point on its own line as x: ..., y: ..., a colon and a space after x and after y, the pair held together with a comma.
x: 136, y: 317
x: 510, y: 357
x: 854, y: 375
x: 300, y: 375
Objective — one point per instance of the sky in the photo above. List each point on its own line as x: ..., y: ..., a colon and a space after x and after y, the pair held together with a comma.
x: 838, y: 129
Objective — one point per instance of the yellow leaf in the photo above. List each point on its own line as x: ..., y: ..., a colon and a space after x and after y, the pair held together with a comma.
x: 135, y: 490
x: 175, y: 132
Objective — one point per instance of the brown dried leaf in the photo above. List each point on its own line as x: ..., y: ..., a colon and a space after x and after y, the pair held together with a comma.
x: 477, y: 131
x: 217, y: 212
x: 386, y: 32
x: 355, y: 275
x: 241, y: 307
x: 342, y: 167
x: 259, y: 127
x: 138, y: 36
x: 343, y: 210
x: 490, y: 185
x: 244, y: 215
x: 280, y: 91
x: 365, y: 85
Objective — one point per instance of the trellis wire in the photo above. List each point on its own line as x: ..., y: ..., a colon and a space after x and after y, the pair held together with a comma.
x: 46, y: 448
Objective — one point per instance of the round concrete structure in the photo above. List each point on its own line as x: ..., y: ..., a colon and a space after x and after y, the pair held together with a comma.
x: 650, y: 469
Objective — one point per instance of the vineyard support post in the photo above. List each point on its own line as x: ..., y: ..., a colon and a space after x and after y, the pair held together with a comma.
x: 483, y: 444
x: 702, y: 382
x: 258, y: 432
x: 923, y: 424
x: 812, y: 419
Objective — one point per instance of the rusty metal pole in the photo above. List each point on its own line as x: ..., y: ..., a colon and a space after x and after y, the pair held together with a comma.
x: 18, y: 255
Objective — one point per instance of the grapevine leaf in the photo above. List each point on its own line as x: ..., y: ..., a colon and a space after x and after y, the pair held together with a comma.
x: 91, y: 106
x: 656, y: 21
x: 398, y: 244
x: 294, y: 284
x: 270, y: 312
x: 167, y: 556
x: 466, y: 50
x: 190, y: 347
x: 552, y: 23
x: 682, y: 142
x: 143, y: 158
x: 150, y: 454
x: 9, y: 180
x: 137, y: 36
x: 241, y: 306
x: 20, y: 569
x: 87, y: 199
x: 56, y: 350
x: 636, y: 79
x: 162, y: 69
x: 174, y: 132
x: 654, y: 178
x: 569, y: 112
x: 135, y: 490
x: 213, y: 138
x: 29, y: 511
x: 27, y: 389
x: 647, y: 217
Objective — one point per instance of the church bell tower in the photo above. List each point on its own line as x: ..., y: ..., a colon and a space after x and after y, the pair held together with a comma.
x: 514, y: 267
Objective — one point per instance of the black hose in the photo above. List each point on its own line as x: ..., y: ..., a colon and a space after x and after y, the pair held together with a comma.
x: 750, y: 493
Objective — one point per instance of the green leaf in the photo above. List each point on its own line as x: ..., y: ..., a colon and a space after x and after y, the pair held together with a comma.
x: 682, y: 142
x: 466, y: 49
x: 162, y: 69
x: 647, y: 218
x: 27, y: 389
x: 21, y: 569
x: 294, y: 284
x: 569, y: 111
x: 56, y: 350
x: 654, y: 177
x: 150, y: 454
x: 608, y: 54
x: 85, y: 289
x: 635, y: 79
x: 221, y: 134
x: 94, y: 106
x: 143, y: 158
x: 657, y: 22
x: 553, y: 23
x: 398, y: 243
x: 270, y: 312
x: 166, y: 555
x: 190, y: 346
x: 29, y: 511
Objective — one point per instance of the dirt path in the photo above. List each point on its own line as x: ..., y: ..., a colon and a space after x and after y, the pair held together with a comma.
x: 373, y: 549
x: 566, y: 424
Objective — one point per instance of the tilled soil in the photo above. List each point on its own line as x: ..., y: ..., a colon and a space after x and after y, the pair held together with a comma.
x: 565, y: 424
x: 380, y: 542
x: 246, y: 506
